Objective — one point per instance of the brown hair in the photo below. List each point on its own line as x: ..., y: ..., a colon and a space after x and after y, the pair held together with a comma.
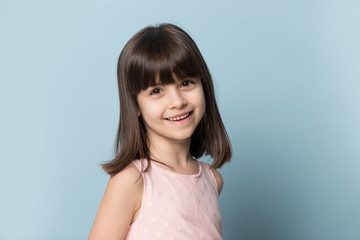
x: 157, y: 54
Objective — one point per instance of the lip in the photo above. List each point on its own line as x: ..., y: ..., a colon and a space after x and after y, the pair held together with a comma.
x: 179, y: 115
x: 180, y: 121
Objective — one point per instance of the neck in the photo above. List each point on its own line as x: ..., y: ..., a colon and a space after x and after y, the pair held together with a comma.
x: 170, y: 152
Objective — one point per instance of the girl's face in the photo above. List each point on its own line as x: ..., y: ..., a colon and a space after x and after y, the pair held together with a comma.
x: 172, y: 112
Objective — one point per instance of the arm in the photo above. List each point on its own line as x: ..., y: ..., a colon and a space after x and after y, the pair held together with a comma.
x: 121, y: 201
x: 219, y: 180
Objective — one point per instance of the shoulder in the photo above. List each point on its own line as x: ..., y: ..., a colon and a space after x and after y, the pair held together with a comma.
x: 127, y: 182
x: 219, y: 179
x: 130, y: 175
x: 121, y: 200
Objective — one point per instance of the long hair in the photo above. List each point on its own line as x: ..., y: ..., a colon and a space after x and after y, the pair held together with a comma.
x: 154, y: 56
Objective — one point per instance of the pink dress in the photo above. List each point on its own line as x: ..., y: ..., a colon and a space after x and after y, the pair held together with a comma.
x: 176, y: 206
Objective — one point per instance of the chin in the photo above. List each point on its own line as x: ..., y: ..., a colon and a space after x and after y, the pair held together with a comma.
x: 181, y: 138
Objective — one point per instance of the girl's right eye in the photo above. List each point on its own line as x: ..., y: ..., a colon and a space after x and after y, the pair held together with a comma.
x: 155, y: 91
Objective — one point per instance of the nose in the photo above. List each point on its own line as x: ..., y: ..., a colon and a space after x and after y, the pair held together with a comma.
x: 177, y: 99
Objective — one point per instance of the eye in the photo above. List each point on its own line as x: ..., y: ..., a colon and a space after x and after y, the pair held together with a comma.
x: 187, y: 83
x: 156, y: 91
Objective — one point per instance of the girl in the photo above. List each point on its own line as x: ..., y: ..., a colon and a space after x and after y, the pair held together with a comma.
x: 168, y: 119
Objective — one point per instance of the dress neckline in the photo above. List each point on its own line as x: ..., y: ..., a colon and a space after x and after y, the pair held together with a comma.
x: 175, y: 173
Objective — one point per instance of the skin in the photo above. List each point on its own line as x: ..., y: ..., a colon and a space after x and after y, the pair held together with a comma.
x: 169, y: 143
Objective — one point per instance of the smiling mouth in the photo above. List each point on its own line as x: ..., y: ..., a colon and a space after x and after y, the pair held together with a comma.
x: 182, y: 117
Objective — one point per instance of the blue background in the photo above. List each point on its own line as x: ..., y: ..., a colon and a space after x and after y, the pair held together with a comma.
x: 287, y: 76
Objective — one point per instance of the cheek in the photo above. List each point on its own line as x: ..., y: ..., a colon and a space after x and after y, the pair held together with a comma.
x: 150, y: 112
x: 143, y: 110
x: 200, y: 100
x: 143, y: 106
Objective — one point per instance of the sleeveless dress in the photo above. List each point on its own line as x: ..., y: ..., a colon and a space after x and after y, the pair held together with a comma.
x: 177, y: 206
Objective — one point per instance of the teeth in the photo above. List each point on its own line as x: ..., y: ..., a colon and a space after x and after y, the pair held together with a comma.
x: 179, y: 118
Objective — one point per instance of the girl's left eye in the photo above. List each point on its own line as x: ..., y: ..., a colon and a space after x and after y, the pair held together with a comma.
x: 186, y: 83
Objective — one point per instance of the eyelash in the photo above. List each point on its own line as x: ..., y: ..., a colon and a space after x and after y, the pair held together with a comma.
x: 186, y: 83
x: 153, y: 92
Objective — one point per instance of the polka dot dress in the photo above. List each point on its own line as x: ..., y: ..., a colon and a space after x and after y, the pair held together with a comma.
x: 177, y: 206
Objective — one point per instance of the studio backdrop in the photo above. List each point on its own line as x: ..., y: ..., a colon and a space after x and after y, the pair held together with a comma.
x: 287, y: 78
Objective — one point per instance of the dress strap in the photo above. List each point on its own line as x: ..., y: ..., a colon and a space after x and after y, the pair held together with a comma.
x: 210, y: 173
x: 141, y: 164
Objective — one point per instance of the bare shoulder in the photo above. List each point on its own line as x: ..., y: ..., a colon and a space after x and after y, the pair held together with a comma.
x: 129, y: 176
x: 127, y: 182
x: 121, y: 200
x: 219, y: 179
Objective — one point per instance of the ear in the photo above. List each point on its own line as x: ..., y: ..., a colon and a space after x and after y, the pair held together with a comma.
x: 138, y: 113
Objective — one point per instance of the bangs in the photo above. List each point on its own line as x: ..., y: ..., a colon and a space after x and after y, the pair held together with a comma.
x: 161, y: 58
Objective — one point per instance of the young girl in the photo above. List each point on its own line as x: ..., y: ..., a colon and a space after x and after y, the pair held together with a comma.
x: 168, y: 119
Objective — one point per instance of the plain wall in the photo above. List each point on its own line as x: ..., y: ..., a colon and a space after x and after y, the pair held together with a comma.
x: 287, y: 76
